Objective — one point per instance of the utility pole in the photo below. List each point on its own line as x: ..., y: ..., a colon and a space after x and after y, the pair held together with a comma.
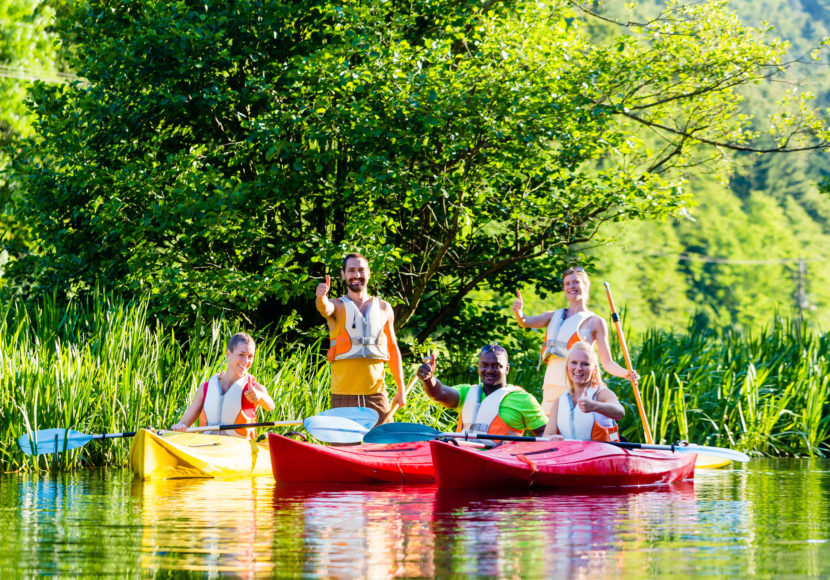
x: 802, y: 301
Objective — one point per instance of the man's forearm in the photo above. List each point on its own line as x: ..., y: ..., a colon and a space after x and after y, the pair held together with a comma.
x: 325, y: 307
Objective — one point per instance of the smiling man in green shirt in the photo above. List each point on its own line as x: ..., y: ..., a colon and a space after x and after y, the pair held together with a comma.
x: 492, y: 406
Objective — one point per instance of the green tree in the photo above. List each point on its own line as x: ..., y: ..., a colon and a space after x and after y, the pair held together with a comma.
x: 27, y: 52
x: 225, y: 153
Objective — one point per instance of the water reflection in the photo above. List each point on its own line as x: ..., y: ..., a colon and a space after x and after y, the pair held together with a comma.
x: 769, y: 519
x: 61, y: 525
x: 423, y: 531
x: 208, y: 525
x: 386, y: 527
x: 573, y: 535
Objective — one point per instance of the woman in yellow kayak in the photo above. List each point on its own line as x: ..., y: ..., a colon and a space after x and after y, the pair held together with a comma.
x: 589, y: 410
x: 563, y: 328
x: 231, y: 396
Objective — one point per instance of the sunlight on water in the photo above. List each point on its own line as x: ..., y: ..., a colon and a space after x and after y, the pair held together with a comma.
x: 768, y: 519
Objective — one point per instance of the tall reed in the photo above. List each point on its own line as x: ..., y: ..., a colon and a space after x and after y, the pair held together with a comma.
x: 766, y: 391
x: 103, y: 367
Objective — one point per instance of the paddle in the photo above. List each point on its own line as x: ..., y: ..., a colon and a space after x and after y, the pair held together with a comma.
x: 616, y: 318
x: 411, y: 385
x: 407, y: 389
x: 335, y: 429
x: 411, y: 432
x: 341, y: 424
x: 348, y: 418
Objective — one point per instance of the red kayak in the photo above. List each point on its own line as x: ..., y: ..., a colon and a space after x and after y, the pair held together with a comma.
x: 297, y: 462
x: 563, y: 464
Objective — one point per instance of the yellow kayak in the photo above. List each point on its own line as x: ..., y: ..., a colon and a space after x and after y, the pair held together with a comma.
x: 175, y: 454
x: 711, y: 462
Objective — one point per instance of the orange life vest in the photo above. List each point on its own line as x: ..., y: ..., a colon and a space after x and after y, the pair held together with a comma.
x: 592, y: 426
x: 362, y: 335
x: 482, y: 416
x: 562, y: 333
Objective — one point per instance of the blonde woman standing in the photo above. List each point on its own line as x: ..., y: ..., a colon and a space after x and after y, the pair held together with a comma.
x: 564, y: 328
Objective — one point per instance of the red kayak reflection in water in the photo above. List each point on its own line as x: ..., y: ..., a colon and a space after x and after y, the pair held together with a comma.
x: 400, y: 531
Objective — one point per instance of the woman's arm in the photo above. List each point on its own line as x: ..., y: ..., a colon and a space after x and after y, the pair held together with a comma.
x: 606, y: 404
x: 537, y: 321
x: 600, y: 331
x: 258, y: 395
x: 553, y: 428
x: 192, y: 411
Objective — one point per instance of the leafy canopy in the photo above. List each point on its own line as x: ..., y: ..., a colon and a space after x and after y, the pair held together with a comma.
x: 224, y: 154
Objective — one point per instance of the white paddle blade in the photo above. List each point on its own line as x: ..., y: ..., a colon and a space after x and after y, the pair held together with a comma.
x: 716, y: 451
x: 361, y: 415
x: 52, y: 440
x: 335, y: 429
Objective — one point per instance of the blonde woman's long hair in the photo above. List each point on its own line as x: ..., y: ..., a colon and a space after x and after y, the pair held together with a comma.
x: 589, y: 351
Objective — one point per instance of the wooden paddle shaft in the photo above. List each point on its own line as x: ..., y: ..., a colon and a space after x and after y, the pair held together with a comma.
x: 616, y: 318
x: 407, y: 389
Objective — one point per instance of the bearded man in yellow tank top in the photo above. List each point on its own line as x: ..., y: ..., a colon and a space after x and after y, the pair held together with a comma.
x: 362, y: 342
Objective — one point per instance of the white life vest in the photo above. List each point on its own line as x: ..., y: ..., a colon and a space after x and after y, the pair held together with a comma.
x: 219, y: 409
x: 476, y: 415
x: 574, y: 424
x: 562, y: 333
x: 361, y: 335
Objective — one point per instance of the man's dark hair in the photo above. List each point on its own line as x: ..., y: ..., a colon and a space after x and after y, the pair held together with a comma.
x: 354, y: 255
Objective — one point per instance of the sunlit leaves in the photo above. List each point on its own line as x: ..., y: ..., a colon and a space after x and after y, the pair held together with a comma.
x: 231, y: 154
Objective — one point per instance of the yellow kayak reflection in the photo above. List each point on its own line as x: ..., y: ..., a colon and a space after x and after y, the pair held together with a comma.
x: 217, y: 526
x: 176, y: 455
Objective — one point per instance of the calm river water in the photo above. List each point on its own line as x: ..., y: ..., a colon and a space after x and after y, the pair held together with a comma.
x: 766, y: 519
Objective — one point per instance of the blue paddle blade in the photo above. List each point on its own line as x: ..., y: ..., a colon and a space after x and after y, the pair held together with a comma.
x: 52, y: 440
x: 361, y: 415
x: 400, y: 433
x: 333, y: 429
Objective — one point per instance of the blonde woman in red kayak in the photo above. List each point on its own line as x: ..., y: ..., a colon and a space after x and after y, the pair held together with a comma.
x: 565, y: 327
x: 589, y: 410
x: 230, y: 397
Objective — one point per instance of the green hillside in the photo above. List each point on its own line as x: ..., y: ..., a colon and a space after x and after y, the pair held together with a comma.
x: 760, y: 240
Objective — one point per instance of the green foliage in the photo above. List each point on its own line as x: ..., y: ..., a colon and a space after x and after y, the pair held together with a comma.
x: 222, y: 155
x: 759, y: 242
x: 27, y: 52
x: 740, y: 261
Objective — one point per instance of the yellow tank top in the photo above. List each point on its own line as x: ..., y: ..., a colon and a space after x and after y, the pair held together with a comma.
x: 357, y: 376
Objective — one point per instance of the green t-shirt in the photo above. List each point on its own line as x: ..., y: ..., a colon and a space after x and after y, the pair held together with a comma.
x: 519, y: 410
